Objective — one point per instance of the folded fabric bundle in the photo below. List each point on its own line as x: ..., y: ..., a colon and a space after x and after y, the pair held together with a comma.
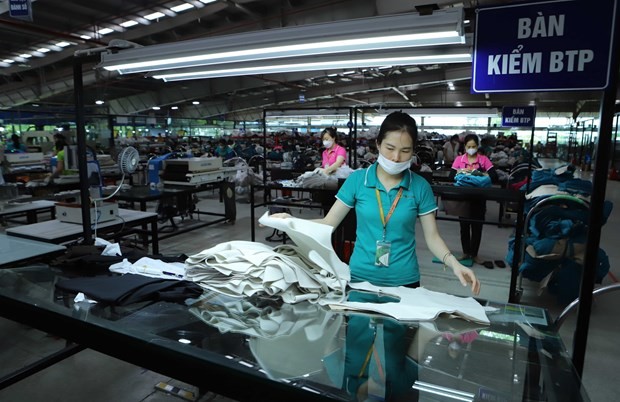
x: 308, y: 270
x: 470, y: 180
x: 239, y: 268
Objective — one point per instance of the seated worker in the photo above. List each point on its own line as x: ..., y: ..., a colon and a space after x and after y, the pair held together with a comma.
x: 15, y: 146
x: 334, y: 156
x: 59, y: 149
x: 223, y: 150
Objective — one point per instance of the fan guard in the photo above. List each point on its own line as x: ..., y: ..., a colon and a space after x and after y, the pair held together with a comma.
x: 128, y: 160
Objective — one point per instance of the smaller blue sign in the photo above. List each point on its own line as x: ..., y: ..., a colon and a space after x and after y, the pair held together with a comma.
x: 350, y: 124
x: 20, y: 9
x: 518, y: 116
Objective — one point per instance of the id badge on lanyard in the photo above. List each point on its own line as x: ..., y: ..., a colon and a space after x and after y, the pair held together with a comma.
x: 382, y: 253
x: 383, y: 246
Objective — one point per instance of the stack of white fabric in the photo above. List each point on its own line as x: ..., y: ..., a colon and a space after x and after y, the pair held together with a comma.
x: 309, y: 270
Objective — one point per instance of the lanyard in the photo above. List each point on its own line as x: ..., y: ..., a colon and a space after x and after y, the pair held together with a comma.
x: 385, y: 219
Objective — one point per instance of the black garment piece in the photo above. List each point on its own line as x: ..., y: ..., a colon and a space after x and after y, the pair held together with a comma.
x: 88, y: 259
x: 126, y: 289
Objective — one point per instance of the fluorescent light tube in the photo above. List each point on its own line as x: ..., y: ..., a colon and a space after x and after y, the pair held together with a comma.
x: 401, y: 57
x: 377, y: 33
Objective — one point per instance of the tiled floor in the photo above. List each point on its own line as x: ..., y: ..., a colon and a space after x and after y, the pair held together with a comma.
x: 90, y: 376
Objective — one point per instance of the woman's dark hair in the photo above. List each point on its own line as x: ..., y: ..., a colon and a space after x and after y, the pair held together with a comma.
x: 332, y: 133
x: 398, y: 121
x: 470, y: 137
x: 15, y: 139
x: 60, y: 143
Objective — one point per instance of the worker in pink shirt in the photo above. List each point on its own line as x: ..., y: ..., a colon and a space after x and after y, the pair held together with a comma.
x: 334, y: 156
x: 472, y: 162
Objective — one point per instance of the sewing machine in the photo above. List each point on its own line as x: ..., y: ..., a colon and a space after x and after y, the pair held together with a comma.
x: 25, y: 161
x: 195, y: 171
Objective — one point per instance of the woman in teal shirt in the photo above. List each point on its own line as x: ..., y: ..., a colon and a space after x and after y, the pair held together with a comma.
x: 15, y: 145
x: 388, y: 198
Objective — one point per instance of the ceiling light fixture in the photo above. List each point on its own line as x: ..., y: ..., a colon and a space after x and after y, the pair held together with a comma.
x: 154, y: 16
x: 182, y: 7
x: 105, y: 31
x: 324, y: 62
x: 129, y: 23
x: 345, y: 39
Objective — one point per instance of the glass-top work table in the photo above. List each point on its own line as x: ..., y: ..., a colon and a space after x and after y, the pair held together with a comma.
x: 258, y: 349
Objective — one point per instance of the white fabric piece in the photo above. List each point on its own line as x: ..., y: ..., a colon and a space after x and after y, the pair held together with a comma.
x: 416, y: 304
x: 81, y: 297
x: 150, y: 267
x: 309, y: 270
x: 313, y: 240
x: 545, y: 189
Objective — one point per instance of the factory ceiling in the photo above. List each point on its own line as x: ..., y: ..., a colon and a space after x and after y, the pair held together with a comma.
x: 37, y: 61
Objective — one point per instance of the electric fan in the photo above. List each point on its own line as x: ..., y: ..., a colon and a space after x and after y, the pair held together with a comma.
x: 127, y: 161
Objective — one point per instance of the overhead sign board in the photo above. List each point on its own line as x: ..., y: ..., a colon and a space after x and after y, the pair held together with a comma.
x: 20, y: 9
x: 547, y: 46
x: 518, y: 116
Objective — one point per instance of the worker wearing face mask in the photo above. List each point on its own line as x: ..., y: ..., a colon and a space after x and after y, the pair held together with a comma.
x: 471, y: 232
x: 334, y: 156
x: 388, y: 199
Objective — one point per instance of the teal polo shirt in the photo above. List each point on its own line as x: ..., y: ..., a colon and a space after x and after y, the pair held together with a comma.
x: 358, y: 192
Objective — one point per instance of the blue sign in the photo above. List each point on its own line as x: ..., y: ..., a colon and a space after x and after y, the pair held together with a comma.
x: 548, y: 46
x: 518, y: 116
x: 20, y: 9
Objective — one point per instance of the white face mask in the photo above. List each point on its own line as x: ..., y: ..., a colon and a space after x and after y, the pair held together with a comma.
x: 393, y: 168
x: 472, y: 151
x: 328, y: 144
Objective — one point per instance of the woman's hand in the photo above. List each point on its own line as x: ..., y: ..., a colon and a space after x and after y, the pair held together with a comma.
x: 466, y: 276
x: 281, y: 215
